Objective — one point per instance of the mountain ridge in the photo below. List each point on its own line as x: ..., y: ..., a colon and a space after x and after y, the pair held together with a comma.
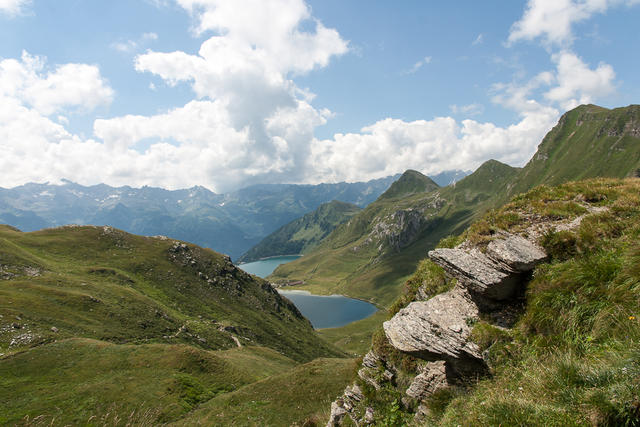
x: 425, y: 218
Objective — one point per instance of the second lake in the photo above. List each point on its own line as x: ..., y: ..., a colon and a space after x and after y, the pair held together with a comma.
x: 323, y: 311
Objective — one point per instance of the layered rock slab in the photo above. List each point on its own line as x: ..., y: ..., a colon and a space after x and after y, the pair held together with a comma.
x: 477, y: 272
x: 437, y: 329
x: 516, y: 252
x: 496, y: 274
x: 431, y: 378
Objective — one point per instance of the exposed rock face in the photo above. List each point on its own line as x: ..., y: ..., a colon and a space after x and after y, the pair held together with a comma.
x: 371, y: 363
x: 495, y: 275
x: 476, y: 271
x: 438, y: 329
x: 344, y: 405
x: 518, y: 253
x: 398, y: 229
x: 431, y: 378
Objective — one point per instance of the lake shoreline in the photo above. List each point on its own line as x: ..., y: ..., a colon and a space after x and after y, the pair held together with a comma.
x: 269, y: 257
x: 332, y: 295
x: 323, y: 311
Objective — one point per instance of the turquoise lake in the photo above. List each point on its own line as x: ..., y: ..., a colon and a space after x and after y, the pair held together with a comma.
x: 265, y: 267
x: 323, y: 311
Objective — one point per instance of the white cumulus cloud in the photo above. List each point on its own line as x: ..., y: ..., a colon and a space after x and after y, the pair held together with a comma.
x: 49, y: 91
x: 258, y: 124
x: 553, y: 20
x: 249, y: 121
x: 431, y: 146
x: 13, y: 7
x: 577, y: 83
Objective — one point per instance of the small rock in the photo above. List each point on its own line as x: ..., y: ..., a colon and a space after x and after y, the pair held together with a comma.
x: 337, y: 413
x: 370, y: 360
x: 369, y: 416
x: 54, y: 329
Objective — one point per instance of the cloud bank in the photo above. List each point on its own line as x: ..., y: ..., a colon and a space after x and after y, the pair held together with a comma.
x: 249, y: 122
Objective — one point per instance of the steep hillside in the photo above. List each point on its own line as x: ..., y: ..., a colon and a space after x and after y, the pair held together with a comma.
x: 370, y: 256
x: 303, y: 234
x: 588, y: 141
x: 77, y: 279
x: 229, y: 223
x: 531, y: 319
x: 95, y: 321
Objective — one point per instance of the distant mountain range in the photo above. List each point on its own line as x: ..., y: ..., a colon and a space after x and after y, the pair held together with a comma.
x: 229, y: 223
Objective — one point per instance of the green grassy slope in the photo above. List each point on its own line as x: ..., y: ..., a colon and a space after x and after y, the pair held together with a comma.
x: 102, y: 283
x: 303, y: 234
x: 98, y: 325
x: 354, y: 338
x: 373, y: 253
x: 291, y: 398
x: 588, y: 141
x: 411, y: 182
x: 572, y: 358
x: 71, y: 381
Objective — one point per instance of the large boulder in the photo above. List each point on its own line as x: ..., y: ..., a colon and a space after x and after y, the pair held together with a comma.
x: 477, y: 272
x: 495, y: 274
x: 516, y: 252
x: 438, y: 329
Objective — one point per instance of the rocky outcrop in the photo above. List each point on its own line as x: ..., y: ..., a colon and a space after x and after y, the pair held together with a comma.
x: 397, y: 230
x: 516, y: 252
x: 476, y: 272
x: 345, y: 405
x: 438, y: 329
x: 431, y: 378
x: 495, y: 274
x: 371, y: 364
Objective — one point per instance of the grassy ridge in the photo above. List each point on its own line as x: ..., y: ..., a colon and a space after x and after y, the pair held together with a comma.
x: 105, y: 284
x: 98, y: 327
x: 573, y: 358
x: 588, y: 142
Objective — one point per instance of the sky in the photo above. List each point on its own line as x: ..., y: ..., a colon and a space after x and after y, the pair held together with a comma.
x: 229, y: 93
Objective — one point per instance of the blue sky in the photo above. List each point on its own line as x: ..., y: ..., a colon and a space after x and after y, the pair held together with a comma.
x: 226, y: 93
